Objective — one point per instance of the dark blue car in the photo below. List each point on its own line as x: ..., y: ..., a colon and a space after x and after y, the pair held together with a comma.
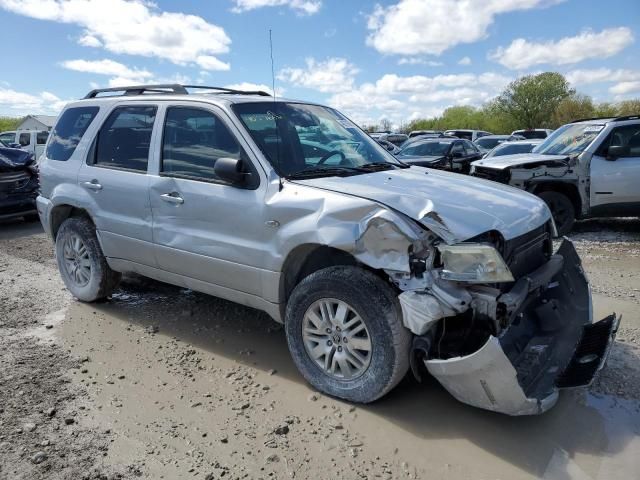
x: 18, y: 183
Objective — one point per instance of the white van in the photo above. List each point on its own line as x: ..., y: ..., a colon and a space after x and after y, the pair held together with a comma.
x: 30, y: 140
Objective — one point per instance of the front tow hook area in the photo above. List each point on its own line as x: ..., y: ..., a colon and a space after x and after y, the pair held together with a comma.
x: 591, y: 353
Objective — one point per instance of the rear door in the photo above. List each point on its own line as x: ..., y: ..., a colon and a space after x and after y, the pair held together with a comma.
x: 615, y: 184
x: 203, y: 227
x: 115, y: 178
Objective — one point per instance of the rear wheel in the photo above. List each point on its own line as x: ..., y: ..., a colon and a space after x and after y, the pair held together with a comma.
x: 564, y: 214
x: 345, y: 333
x: 82, y: 265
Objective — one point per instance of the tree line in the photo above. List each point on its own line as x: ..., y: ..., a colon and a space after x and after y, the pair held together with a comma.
x: 545, y: 100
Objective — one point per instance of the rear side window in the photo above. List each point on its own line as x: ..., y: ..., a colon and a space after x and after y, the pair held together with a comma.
x: 193, y: 140
x: 69, y: 131
x: 41, y: 138
x: 24, y: 139
x: 124, y: 139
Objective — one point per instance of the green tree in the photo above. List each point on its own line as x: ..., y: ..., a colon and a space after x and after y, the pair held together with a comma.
x: 531, y: 100
x: 629, y: 107
x: 9, y: 123
x: 573, y: 108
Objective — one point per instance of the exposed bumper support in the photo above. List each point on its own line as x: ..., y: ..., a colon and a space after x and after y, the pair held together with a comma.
x: 552, y: 344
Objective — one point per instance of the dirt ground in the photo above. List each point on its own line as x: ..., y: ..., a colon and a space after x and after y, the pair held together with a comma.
x: 165, y: 383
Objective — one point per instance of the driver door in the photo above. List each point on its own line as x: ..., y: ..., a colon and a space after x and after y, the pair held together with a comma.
x: 614, y: 182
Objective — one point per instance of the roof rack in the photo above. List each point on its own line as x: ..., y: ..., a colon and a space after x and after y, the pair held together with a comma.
x: 611, y: 119
x: 173, y: 88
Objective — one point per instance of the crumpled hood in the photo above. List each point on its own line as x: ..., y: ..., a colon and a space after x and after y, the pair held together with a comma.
x: 455, y: 207
x: 506, y: 161
x: 14, y: 159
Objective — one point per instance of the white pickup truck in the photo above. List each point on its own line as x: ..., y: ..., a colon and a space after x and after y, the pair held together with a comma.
x: 32, y: 141
x: 588, y: 168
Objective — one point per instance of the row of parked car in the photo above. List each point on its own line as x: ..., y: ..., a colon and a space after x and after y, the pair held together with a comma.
x: 575, y: 173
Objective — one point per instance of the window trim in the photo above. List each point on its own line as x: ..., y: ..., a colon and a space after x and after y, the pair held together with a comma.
x: 92, y: 151
x: 244, y: 156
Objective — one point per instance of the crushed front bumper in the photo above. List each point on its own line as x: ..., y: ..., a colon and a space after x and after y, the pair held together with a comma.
x: 550, y: 344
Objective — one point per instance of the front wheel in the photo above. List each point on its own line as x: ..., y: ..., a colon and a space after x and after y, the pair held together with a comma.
x: 82, y: 264
x: 345, y: 333
x: 564, y: 215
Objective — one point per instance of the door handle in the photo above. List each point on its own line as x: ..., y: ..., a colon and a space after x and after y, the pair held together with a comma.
x: 173, y: 197
x: 93, y: 185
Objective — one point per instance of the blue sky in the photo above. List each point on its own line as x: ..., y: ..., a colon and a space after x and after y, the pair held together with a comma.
x: 395, y: 59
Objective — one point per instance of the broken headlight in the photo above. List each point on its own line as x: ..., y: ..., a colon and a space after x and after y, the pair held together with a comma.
x: 473, y: 263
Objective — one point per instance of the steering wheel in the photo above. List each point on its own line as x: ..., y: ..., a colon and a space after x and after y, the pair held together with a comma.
x: 331, y: 154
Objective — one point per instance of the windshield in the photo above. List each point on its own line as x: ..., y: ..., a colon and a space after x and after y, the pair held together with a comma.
x: 489, y: 143
x: 429, y: 149
x: 570, y: 139
x: 510, y: 149
x: 529, y: 134
x: 297, y: 137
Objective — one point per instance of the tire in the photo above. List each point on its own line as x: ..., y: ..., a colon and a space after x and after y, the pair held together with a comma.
x: 377, y: 305
x: 82, y: 264
x: 564, y: 214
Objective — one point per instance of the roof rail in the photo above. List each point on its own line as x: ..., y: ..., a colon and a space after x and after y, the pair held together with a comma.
x: 626, y: 117
x: 173, y: 88
x: 611, y: 118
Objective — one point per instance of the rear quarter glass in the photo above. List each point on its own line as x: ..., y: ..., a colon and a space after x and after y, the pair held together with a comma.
x: 68, y: 132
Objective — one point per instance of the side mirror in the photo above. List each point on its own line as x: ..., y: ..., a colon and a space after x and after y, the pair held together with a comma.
x: 230, y: 170
x: 616, y: 151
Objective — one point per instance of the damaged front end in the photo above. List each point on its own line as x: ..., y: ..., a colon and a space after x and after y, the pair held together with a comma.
x: 506, y: 344
x: 18, y: 183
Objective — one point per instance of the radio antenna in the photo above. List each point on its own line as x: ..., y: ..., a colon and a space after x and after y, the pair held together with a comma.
x: 275, y: 113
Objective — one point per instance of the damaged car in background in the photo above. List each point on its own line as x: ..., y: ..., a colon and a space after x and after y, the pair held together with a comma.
x: 374, y: 266
x: 587, y: 168
x: 18, y: 184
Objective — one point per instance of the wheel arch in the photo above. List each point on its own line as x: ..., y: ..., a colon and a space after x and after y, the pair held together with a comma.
x: 565, y: 188
x: 61, y: 212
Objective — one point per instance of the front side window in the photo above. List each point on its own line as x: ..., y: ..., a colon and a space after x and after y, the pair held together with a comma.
x: 124, y: 139
x: 470, y: 148
x: 192, y: 141
x: 457, y: 149
x: 627, y: 136
x: 571, y: 139
x: 24, y: 139
x: 301, y: 139
x: 68, y: 132
x: 41, y: 137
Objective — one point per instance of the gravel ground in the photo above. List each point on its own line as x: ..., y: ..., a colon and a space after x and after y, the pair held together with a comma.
x: 162, y: 382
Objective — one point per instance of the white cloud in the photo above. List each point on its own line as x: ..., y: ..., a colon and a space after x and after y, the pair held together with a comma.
x: 402, y: 98
x: 20, y: 103
x: 522, y: 54
x: 601, y: 75
x: 419, y: 61
x: 625, y: 88
x: 412, y: 27
x: 331, y: 75
x: 303, y: 7
x: 464, y: 61
x: 135, y: 27
x: 107, y: 67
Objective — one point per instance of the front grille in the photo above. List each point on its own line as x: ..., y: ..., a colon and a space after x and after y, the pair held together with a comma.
x: 526, y: 253
x: 14, y: 181
x: 492, y: 174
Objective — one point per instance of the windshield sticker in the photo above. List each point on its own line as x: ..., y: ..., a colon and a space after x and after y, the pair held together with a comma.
x: 273, y: 116
x: 593, y: 128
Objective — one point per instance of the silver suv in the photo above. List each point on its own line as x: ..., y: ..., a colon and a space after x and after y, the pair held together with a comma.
x: 372, y: 265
